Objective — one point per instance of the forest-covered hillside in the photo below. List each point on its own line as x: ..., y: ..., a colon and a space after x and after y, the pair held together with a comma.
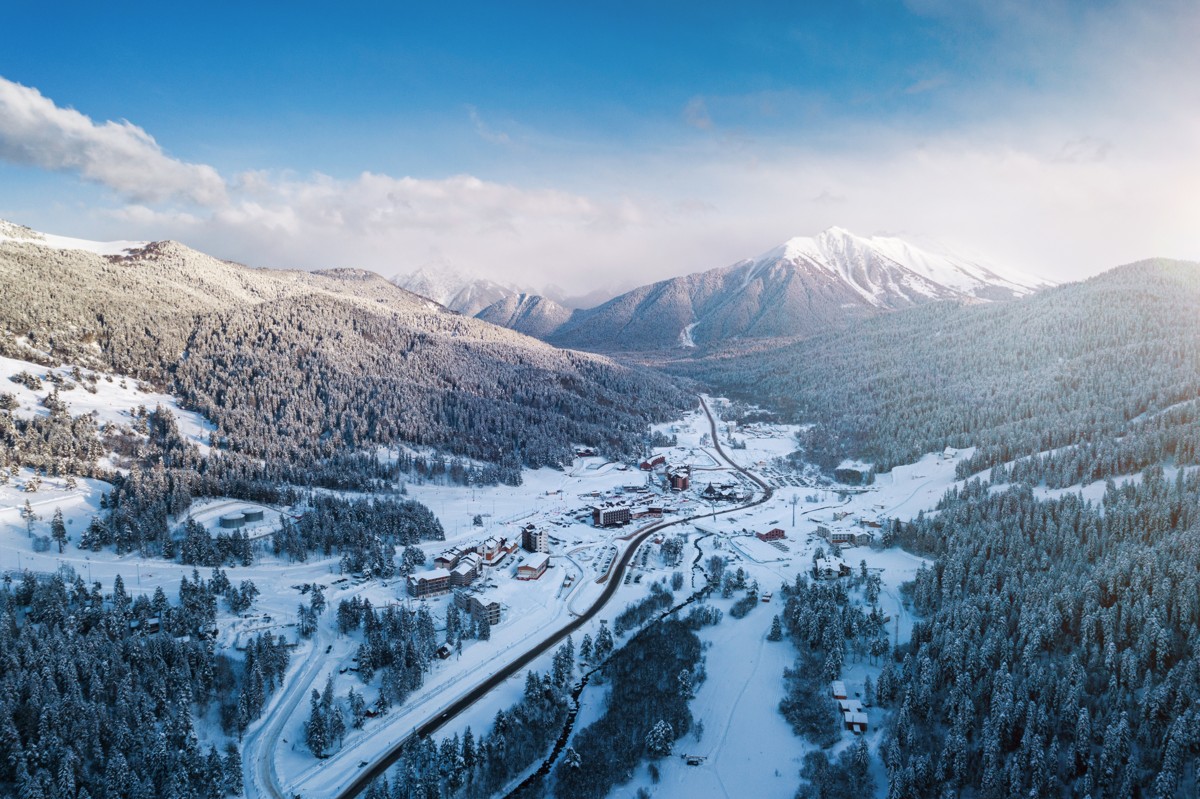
x: 1056, y: 655
x: 1105, y: 372
x: 296, y: 367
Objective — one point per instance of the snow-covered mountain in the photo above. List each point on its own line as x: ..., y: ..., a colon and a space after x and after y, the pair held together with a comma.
x: 530, y: 314
x: 799, y: 288
x: 297, y: 367
x: 10, y: 231
x: 455, y: 290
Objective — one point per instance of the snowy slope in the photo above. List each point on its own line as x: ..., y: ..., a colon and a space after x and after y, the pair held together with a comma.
x: 530, y: 314
x: 803, y: 286
x: 110, y: 399
x: 10, y: 231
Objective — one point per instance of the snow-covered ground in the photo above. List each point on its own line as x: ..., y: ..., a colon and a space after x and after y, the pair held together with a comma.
x: 733, y: 707
x: 745, y: 739
x: 24, y: 235
x: 111, y: 399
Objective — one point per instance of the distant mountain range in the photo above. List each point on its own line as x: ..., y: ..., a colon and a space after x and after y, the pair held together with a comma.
x: 454, y: 290
x: 802, y: 287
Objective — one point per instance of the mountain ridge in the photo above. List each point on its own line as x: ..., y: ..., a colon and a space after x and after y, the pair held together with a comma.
x: 804, y: 286
x: 299, y: 367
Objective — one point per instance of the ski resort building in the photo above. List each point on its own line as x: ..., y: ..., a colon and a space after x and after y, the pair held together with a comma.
x: 611, y: 515
x: 468, y: 568
x: 478, y: 607
x: 846, y: 538
x: 431, y: 583
x: 680, y: 477
x: 854, y: 718
x: 774, y: 534
x: 830, y: 569
x: 449, y: 558
x: 725, y: 492
x: 842, y: 537
x: 533, y: 568
x: 534, y: 540
x: 649, y: 464
x: 495, y: 550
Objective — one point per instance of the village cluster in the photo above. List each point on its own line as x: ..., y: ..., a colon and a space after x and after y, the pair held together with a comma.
x: 521, y: 549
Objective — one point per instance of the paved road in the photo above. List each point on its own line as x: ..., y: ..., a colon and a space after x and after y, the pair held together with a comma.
x: 258, y: 747
x: 385, y: 761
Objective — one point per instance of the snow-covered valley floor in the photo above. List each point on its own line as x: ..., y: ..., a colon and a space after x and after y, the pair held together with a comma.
x: 749, y: 749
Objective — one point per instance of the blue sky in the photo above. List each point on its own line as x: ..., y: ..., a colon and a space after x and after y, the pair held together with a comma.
x: 596, y: 145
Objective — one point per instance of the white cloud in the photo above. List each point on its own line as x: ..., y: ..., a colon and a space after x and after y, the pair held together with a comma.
x: 926, y: 84
x: 1084, y: 149
x: 695, y: 114
x: 36, y: 132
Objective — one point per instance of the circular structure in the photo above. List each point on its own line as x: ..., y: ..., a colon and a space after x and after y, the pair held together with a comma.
x: 232, y: 521
x: 252, y: 515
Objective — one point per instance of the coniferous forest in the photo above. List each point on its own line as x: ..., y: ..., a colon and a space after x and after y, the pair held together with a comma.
x: 1075, y: 383
x: 97, y: 703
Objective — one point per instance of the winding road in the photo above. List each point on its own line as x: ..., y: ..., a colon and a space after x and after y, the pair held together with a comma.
x: 264, y: 771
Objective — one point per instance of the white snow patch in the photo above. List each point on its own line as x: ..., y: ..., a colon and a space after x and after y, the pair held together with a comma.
x: 23, y: 235
x: 114, y: 400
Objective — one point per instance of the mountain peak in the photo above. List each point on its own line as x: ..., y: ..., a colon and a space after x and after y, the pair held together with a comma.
x: 447, y: 285
x: 804, y: 286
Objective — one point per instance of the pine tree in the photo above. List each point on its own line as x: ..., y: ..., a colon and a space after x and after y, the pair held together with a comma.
x: 468, y: 749
x: 776, y: 633
x: 659, y: 739
x: 686, y: 690
x: 316, y: 731
x: 358, y: 709
x: 563, y: 668
x: 233, y: 770
x: 28, y: 514
x: 603, y: 645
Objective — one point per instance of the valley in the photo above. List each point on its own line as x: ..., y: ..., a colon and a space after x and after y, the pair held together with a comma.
x: 420, y: 588
x: 600, y: 401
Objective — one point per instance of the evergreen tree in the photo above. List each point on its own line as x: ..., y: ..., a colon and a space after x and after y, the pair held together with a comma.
x: 659, y: 739
x: 58, y: 529
x: 776, y: 633
x: 316, y: 729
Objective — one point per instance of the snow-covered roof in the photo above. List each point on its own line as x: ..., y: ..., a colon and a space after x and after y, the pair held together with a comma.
x: 536, y: 561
